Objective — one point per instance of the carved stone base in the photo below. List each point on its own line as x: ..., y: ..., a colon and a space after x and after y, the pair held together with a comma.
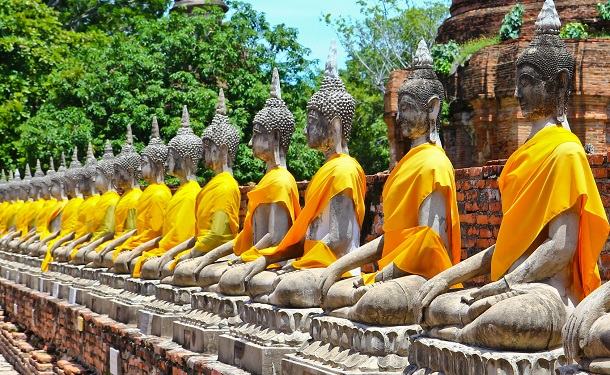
x: 264, y: 336
x: 80, y: 290
x: 92, y: 273
x: 140, y: 286
x: 126, y: 305
x: 572, y: 370
x: 433, y: 356
x: 176, y: 295
x: 339, y: 346
x: 101, y: 299
x: 212, y: 314
x: 113, y: 280
x: 72, y: 270
x: 157, y: 318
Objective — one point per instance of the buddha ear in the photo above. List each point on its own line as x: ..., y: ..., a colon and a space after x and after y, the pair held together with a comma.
x: 224, y: 153
x: 563, y: 84
x: 434, y: 107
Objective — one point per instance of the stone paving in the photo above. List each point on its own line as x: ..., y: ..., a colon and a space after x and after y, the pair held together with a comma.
x: 6, y: 368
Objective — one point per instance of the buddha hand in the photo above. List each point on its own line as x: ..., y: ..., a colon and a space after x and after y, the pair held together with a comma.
x: 427, y: 293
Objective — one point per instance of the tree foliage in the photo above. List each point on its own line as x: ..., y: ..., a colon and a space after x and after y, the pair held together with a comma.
x: 512, y: 22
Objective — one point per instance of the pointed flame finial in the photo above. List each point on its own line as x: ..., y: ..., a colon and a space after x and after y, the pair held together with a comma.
x: 75, y: 155
x: 107, y: 147
x: 90, y: 154
x: 221, y: 107
x: 154, y: 132
x: 423, y: 59
x: 17, y: 175
x: 129, y: 137
x: 186, y: 120
x: 548, y: 20
x: 51, y: 163
x: 276, y: 90
x: 331, y: 61
x: 63, y: 159
x: 28, y: 173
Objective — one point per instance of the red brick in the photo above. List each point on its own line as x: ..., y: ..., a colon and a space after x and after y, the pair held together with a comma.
x: 599, y: 172
x: 467, y: 218
x: 482, y: 219
x: 596, y: 159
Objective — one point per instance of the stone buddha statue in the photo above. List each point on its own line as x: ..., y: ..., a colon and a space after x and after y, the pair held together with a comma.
x: 102, y: 224
x: 328, y: 227
x: 586, y: 335
x: 184, y: 152
x: 6, y: 202
x: 14, y: 196
x: 416, y: 244
x: 28, y: 196
x: 37, y: 208
x: 152, y: 204
x: 127, y: 177
x: 56, y: 183
x: 554, y: 226
x: 273, y: 204
x: 217, y: 204
x: 84, y: 180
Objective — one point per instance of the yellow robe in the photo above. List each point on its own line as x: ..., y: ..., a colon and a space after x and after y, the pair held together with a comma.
x: 101, y: 222
x: 419, y: 250
x: 150, y: 215
x: 5, y: 208
x: 68, y: 224
x: 221, y: 193
x: 124, y: 215
x: 179, y: 223
x: 340, y: 173
x: 276, y: 186
x: 36, y: 208
x: 13, y: 214
x: 43, y: 215
x: 543, y: 178
x: 22, y: 218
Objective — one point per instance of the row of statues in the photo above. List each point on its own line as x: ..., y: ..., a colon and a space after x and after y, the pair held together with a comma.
x: 545, y: 291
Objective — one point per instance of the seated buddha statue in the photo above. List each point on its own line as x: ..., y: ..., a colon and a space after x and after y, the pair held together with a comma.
x: 102, y: 224
x: 586, y: 334
x: 84, y: 179
x: 417, y: 244
x: 217, y: 204
x: 554, y: 226
x: 184, y: 152
x: 6, y: 202
x: 151, y: 206
x: 49, y: 221
x: 126, y: 176
x: 37, y: 209
x: 14, y: 194
x: 24, y: 215
x: 273, y: 205
x: 328, y: 227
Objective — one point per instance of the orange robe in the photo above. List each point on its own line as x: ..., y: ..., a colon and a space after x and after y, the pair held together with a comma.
x: 340, y: 173
x: 52, y: 213
x: 23, y: 218
x: 276, y: 186
x: 419, y: 250
x: 69, y: 222
x: 43, y: 215
x: 150, y: 215
x: 179, y: 223
x: 543, y: 178
x: 124, y: 215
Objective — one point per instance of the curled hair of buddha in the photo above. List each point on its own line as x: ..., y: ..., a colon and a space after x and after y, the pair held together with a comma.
x: 332, y: 99
x: 186, y: 142
x: 275, y: 115
x: 106, y: 164
x: 128, y: 158
x: 38, y: 179
x: 423, y: 84
x: 221, y: 131
x: 156, y: 149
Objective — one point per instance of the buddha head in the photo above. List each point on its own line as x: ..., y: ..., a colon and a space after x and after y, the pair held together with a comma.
x: 544, y: 71
x: 56, y: 181
x: 89, y: 172
x: 14, y: 191
x: 272, y: 127
x: 28, y: 190
x: 104, y: 172
x: 38, y: 189
x: 46, y: 180
x: 3, y: 186
x: 220, y: 139
x: 154, y: 156
x: 74, y: 175
x: 420, y: 99
x: 330, y: 110
x: 127, y: 164
x: 184, y: 151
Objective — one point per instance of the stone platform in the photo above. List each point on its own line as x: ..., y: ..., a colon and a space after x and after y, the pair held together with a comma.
x: 434, y: 356
x: 170, y: 303
x: 264, y: 336
x: 339, y: 346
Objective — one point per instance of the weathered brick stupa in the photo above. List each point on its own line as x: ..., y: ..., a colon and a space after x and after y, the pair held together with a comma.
x: 485, y: 121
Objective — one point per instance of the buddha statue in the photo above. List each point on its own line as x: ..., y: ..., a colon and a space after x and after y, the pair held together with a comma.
x: 24, y: 215
x: 10, y: 217
x: 328, y: 227
x: 152, y: 204
x: 184, y: 152
x: 586, y: 334
x: 84, y: 180
x: 554, y: 226
x: 273, y: 204
x: 127, y: 177
x: 6, y: 202
x: 416, y: 244
x: 49, y: 220
x: 217, y: 204
x: 37, y: 208
x: 102, y: 224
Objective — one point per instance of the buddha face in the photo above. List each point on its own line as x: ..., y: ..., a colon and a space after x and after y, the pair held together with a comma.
x: 537, y: 97
x: 212, y: 158
x: 412, y: 117
x: 174, y: 163
x: 263, y: 142
x: 122, y: 177
x: 318, y: 130
x: 100, y: 180
x: 44, y: 190
x: 147, y: 168
x: 56, y: 188
x: 33, y: 191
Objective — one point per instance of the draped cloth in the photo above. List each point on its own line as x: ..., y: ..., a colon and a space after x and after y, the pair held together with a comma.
x: 542, y: 179
x: 276, y: 186
x: 13, y: 214
x: 68, y: 225
x: 23, y: 218
x: 341, y: 173
x: 4, y: 210
x: 124, y: 215
x: 101, y: 222
x: 415, y: 249
x: 150, y: 213
x: 54, y: 211
x: 179, y: 223
x: 36, y: 208
x: 217, y: 214
x: 43, y: 214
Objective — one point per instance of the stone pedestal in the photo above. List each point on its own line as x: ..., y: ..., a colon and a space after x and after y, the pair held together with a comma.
x: 428, y: 355
x: 78, y: 292
x: 100, y: 299
x: 158, y: 316
x: 212, y: 314
x: 92, y: 273
x: 61, y: 286
x: 264, y: 336
x: 113, y: 280
x: 572, y: 370
x: 339, y: 346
